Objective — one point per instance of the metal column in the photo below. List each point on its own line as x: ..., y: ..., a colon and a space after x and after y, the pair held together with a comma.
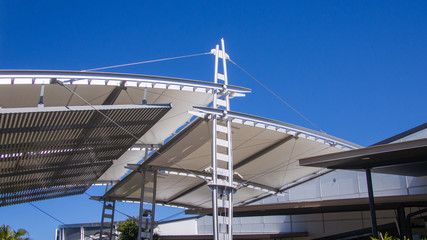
x: 401, y: 221
x: 107, y: 220
x: 371, y: 203
x: 141, y: 205
x: 153, y: 205
x: 222, y: 185
x: 146, y: 220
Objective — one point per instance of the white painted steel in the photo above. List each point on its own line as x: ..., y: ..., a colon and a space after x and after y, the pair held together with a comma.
x: 222, y: 129
x: 222, y: 157
x: 276, y: 168
x: 222, y: 143
x: 279, y: 127
x: 221, y: 187
x: 95, y: 87
x: 107, y: 79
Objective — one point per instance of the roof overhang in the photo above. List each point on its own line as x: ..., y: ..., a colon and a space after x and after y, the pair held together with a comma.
x: 238, y: 236
x: 49, y: 152
x: 407, y: 158
x: 24, y: 88
x: 37, y: 77
x: 265, y: 153
x: 324, y: 206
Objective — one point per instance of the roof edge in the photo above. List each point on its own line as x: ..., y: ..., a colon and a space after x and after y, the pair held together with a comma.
x: 402, y: 134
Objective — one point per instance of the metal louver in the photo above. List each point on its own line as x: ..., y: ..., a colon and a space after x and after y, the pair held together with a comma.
x: 51, y: 152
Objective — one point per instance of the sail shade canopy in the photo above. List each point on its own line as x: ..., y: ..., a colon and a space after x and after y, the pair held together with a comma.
x: 265, y: 154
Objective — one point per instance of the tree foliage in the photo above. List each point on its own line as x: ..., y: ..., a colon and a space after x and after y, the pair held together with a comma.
x: 7, y: 233
x: 389, y: 237
x: 128, y: 230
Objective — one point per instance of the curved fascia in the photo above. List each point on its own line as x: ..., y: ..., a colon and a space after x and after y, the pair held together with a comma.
x: 112, y: 79
x: 275, y: 125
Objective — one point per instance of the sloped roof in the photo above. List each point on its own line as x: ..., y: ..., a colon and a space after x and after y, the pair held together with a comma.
x: 58, y: 151
x: 22, y: 88
x: 408, y: 158
x: 265, y: 153
x: 65, y: 90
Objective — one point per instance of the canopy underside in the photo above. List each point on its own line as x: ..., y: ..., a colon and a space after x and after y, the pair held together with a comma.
x: 266, y: 156
x: 58, y: 151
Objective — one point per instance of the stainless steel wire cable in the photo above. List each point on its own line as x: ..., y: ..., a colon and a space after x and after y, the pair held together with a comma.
x: 56, y: 219
x: 277, y: 96
x: 172, y: 58
x: 149, y: 61
x: 124, y: 129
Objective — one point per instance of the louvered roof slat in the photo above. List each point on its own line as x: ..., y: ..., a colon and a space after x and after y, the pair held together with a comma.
x: 48, y: 146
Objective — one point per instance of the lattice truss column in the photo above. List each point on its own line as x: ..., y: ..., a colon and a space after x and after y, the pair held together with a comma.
x: 146, y: 223
x: 222, y: 184
x: 107, y: 220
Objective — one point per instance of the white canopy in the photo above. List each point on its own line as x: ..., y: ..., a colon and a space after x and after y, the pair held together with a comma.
x: 42, y: 90
x: 265, y: 154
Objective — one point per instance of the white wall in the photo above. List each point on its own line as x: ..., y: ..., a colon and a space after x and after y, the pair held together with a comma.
x: 338, y: 184
x: 183, y: 227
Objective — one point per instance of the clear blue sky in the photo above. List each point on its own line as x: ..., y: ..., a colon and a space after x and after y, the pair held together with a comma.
x: 357, y: 69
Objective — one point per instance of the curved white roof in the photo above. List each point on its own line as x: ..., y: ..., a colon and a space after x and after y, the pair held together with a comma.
x: 265, y: 153
x: 23, y: 89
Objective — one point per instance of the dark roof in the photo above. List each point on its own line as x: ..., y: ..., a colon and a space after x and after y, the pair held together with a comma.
x: 239, y: 236
x: 403, y: 158
x: 323, y: 206
x: 402, y: 135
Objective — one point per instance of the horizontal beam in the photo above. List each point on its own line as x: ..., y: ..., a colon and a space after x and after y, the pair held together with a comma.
x: 206, y: 174
x: 146, y: 200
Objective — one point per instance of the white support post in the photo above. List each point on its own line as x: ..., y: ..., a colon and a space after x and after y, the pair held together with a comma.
x: 214, y: 165
x: 107, y: 220
x: 82, y: 232
x: 147, y: 217
x: 141, y: 205
x: 41, y: 101
x: 153, y: 205
x: 222, y: 186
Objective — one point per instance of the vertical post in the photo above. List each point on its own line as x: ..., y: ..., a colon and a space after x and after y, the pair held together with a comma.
x: 41, y: 103
x: 214, y: 165
x: 112, y: 220
x: 216, y: 70
x: 102, y: 219
x: 102, y: 222
x: 401, y: 221
x: 224, y: 62
x: 230, y: 179
x: 153, y: 205
x: 371, y: 203
x: 141, y: 204
x: 222, y: 187
x: 230, y: 147
x: 82, y: 232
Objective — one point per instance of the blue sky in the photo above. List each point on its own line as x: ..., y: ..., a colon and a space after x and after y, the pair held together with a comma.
x: 357, y: 69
